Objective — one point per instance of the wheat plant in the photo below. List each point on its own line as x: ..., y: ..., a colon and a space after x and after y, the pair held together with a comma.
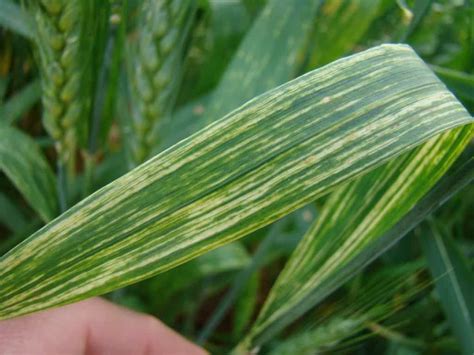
x: 58, y: 34
x: 271, y: 177
x: 156, y: 65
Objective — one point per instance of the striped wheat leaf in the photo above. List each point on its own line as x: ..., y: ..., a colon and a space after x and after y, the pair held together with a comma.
x: 354, y: 216
x: 156, y: 73
x: 262, y: 161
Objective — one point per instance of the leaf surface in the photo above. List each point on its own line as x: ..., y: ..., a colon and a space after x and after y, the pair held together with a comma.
x: 14, y: 18
x: 274, y: 154
x: 266, y: 58
x: 454, y: 283
x: 24, y: 164
x: 16, y: 106
x: 354, y: 216
x: 353, y: 16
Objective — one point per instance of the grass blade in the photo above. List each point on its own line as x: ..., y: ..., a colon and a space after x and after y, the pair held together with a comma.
x: 261, y: 64
x: 240, y: 281
x: 420, y: 9
x: 266, y: 58
x: 269, y: 248
x: 245, y: 306
x: 22, y: 161
x: 16, y: 106
x: 14, y: 18
x: 454, y: 283
x: 330, y: 43
x: 12, y: 217
x: 383, y: 294
x: 460, y: 83
x: 277, y: 153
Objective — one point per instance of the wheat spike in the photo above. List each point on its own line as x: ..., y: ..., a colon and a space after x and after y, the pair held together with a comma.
x: 58, y: 24
x: 156, y: 69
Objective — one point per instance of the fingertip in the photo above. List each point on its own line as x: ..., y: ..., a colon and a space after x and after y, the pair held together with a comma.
x: 117, y: 329
x: 163, y: 340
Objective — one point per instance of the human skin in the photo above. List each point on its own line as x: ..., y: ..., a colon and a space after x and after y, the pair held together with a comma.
x: 91, y: 327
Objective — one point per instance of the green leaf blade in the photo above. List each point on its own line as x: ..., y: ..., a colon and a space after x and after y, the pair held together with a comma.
x: 454, y: 284
x: 15, y: 107
x: 354, y: 216
x: 330, y: 43
x: 264, y: 160
x: 22, y: 161
x: 266, y: 58
x: 14, y: 18
x: 262, y: 63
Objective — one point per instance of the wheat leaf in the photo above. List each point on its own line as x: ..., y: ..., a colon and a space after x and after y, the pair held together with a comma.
x: 382, y: 294
x: 266, y: 58
x: 354, y: 218
x: 354, y: 16
x: 262, y: 63
x: 22, y: 161
x: 262, y: 161
x: 14, y: 18
x: 460, y: 83
x: 15, y: 107
x: 454, y: 283
x: 12, y: 216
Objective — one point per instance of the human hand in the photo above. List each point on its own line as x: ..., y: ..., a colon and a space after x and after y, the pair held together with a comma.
x: 91, y: 327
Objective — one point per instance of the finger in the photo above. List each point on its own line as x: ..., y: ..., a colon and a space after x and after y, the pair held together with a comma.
x: 91, y: 327
x: 118, y: 330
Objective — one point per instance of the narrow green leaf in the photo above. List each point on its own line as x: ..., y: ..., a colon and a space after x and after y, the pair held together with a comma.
x: 266, y: 58
x: 22, y: 161
x: 14, y: 18
x: 246, y: 305
x: 383, y: 293
x: 330, y: 43
x: 264, y: 160
x: 420, y: 9
x: 454, y: 284
x: 4, y: 80
x: 11, y: 217
x: 460, y: 83
x: 355, y: 248
x: 261, y: 64
x: 218, y: 36
x: 108, y: 76
x: 16, y: 106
